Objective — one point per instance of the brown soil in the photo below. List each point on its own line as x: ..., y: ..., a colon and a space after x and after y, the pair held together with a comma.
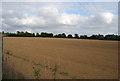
x: 82, y: 59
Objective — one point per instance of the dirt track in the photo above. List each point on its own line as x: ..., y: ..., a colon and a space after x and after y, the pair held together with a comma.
x: 82, y: 59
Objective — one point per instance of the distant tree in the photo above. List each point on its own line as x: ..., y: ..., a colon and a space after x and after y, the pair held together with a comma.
x: 118, y: 37
x: 26, y: 34
x: 37, y: 35
x: 21, y: 34
x: 93, y: 37
x: 69, y: 36
x: 111, y: 37
x: 33, y: 34
x: 83, y: 37
x: 11, y: 34
x: 18, y: 33
x: 63, y: 35
x: 49, y: 35
x: 3, y: 32
x: 76, y: 36
x: 100, y: 37
x: 43, y: 34
x: 55, y: 36
x: 60, y: 35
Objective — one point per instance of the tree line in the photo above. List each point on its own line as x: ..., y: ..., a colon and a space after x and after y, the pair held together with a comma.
x: 63, y: 35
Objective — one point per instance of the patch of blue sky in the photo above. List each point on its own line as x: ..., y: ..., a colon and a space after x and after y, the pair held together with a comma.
x: 27, y: 12
x: 31, y: 14
x: 105, y: 6
x: 79, y: 12
x: 98, y: 7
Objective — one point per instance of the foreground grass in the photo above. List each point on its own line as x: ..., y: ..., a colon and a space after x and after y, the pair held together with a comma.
x: 37, y: 71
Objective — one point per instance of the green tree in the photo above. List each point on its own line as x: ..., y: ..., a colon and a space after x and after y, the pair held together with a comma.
x: 50, y: 35
x: 33, y: 34
x: 111, y: 37
x: 55, y: 36
x: 83, y: 37
x: 18, y: 33
x: 3, y: 32
x: 69, y: 36
x: 100, y: 37
x: 76, y: 35
x: 37, y: 35
x: 63, y: 35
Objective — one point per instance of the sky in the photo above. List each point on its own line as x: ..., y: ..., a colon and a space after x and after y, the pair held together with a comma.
x: 61, y: 17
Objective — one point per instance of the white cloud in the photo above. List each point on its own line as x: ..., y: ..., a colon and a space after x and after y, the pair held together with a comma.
x: 107, y: 17
x: 48, y: 12
x: 51, y: 18
x: 32, y: 21
x: 60, y: 1
x: 102, y: 20
x: 70, y: 19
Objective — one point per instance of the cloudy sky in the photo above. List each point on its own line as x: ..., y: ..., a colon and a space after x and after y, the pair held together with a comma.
x: 56, y: 17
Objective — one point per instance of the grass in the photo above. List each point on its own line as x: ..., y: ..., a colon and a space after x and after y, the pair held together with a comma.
x: 64, y: 73
x: 37, y: 64
x: 37, y: 72
x: 54, y: 70
x: 8, y: 52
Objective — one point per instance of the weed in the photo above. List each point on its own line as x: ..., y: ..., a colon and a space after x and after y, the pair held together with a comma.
x: 54, y: 70
x: 50, y: 68
x: 46, y: 66
x: 25, y: 59
x: 64, y: 73
x: 37, y: 64
x: 37, y: 73
x: 8, y: 52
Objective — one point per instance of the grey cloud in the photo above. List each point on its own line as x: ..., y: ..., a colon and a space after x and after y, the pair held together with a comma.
x: 38, y: 18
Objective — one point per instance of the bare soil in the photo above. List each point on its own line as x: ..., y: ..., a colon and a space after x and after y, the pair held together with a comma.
x: 80, y: 58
